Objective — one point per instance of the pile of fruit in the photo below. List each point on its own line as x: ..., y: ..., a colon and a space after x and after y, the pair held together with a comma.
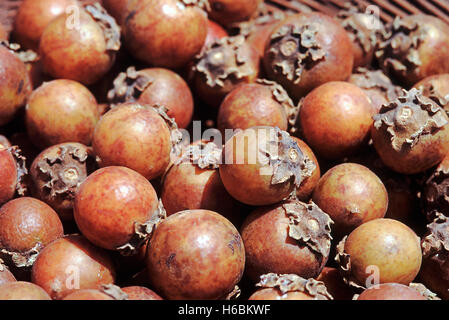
x: 222, y: 149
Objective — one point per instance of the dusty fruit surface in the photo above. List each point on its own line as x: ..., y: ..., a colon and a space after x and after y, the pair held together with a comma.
x: 391, y: 291
x: 140, y: 293
x: 21, y: 290
x: 88, y: 294
x: 195, y: 254
x: 5, y: 274
x: 226, y: 12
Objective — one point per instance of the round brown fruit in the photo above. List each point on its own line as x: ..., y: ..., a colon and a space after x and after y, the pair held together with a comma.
x: 84, y: 52
x: 287, y: 238
x: 351, y: 195
x: 72, y: 263
x: 5, y: 274
x: 336, y: 119
x: 88, y: 294
x: 140, y: 293
x: 8, y: 176
x: 335, y: 284
x: 227, y: 12
x: 380, y: 251
x: 205, y: 260
x: 305, y: 190
x: 21, y: 290
x: 165, y: 33
x: 61, y: 111
x: 307, y: 50
x: 134, y: 136
x: 117, y: 9
x: 391, y: 291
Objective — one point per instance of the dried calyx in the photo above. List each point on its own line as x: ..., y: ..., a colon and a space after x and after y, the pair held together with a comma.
x: 437, y: 239
x: 285, y: 159
x: 142, y: 232
x: 26, y: 56
x: 21, y: 259
x: 203, y: 4
x: 205, y: 155
x: 282, y: 97
x: 424, y: 291
x: 175, y: 133
x: 22, y: 171
x: 108, y: 24
x: 234, y: 294
x: 286, y: 283
x: 293, y: 48
x: 344, y: 265
x: 310, y: 226
x: 376, y: 79
x: 436, y: 191
x: 128, y: 86
x: 436, y: 96
x: 409, y: 118
x: 399, y: 48
x: 113, y: 291
x: 223, y: 60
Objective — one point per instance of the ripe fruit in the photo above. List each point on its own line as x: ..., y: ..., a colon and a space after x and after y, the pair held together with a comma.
x: 117, y: 9
x: 165, y: 33
x: 83, y: 52
x: 193, y: 182
x: 9, y: 175
x: 318, y: 113
x: 307, y: 50
x: 289, y: 287
x: 71, y: 263
x: 155, y: 86
x: 222, y: 66
x: 5, y: 274
x: 15, y: 85
x: 116, y: 208
x: 435, y: 190
x: 26, y: 226
x: 351, y: 195
x: 140, y: 293
x: 379, y: 251
x: 415, y: 47
x: 262, y: 165
x: 391, y: 291
x: 21, y: 290
x: 58, y: 171
x: 195, y: 254
x: 335, y: 284
x: 88, y: 294
x: 437, y: 87
x: 264, y: 103
x: 290, y: 237
x: 33, y: 16
x: 304, y: 191
x: 226, y: 12
x: 4, y: 142
x: 135, y: 136
x: 61, y: 111
x: 214, y: 32
x: 411, y: 134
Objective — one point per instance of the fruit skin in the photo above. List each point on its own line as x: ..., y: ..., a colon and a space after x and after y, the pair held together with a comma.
x: 270, y: 249
x: 3, y: 33
x: 251, y: 105
x: 64, y: 259
x: 214, y: 32
x: 437, y: 86
x: 15, y: 85
x: 351, y: 194
x: 140, y: 293
x: 8, y: 176
x: 226, y: 12
x: 335, y: 48
x: 391, y: 291
x: 195, y: 254
x: 389, y: 245
x: 87, y: 294
x: 4, y: 142
x: 32, y: 18
x: 335, y: 285
x: 305, y: 190
x: 275, y: 294
x: 109, y: 203
x: 82, y: 54
x: 134, y: 136
x: 61, y: 111
x: 5, y: 275
x: 39, y: 225
x: 117, y: 9
x: 21, y: 290
x: 318, y: 116
x: 165, y: 33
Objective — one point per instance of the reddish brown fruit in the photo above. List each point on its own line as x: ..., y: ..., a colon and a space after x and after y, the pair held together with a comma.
x: 135, y: 136
x: 260, y: 104
x: 289, y: 287
x: 15, y: 85
x: 5, y: 274
x: 8, y: 176
x: 214, y: 33
x: 336, y: 119
x: 71, y: 263
x: 21, y: 290
x: 335, y: 284
x: 85, y: 52
x: 155, y: 86
x: 195, y: 254
x: 286, y: 238
x: 436, y: 87
x: 116, y: 209
x: 61, y: 111
x: 307, y: 50
x: 351, y: 195
x: 415, y: 47
x: 411, y: 134
x: 39, y: 225
x: 33, y: 16
x: 222, y: 66
x: 391, y: 291
x: 140, y: 293
x: 88, y: 294
x: 58, y: 171
x: 304, y: 191
x: 379, y: 251
x: 3, y: 33
x: 227, y: 12
x: 4, y: 142
x: 262, y: 165
x: 165, y: 33
x: 117, y: 9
